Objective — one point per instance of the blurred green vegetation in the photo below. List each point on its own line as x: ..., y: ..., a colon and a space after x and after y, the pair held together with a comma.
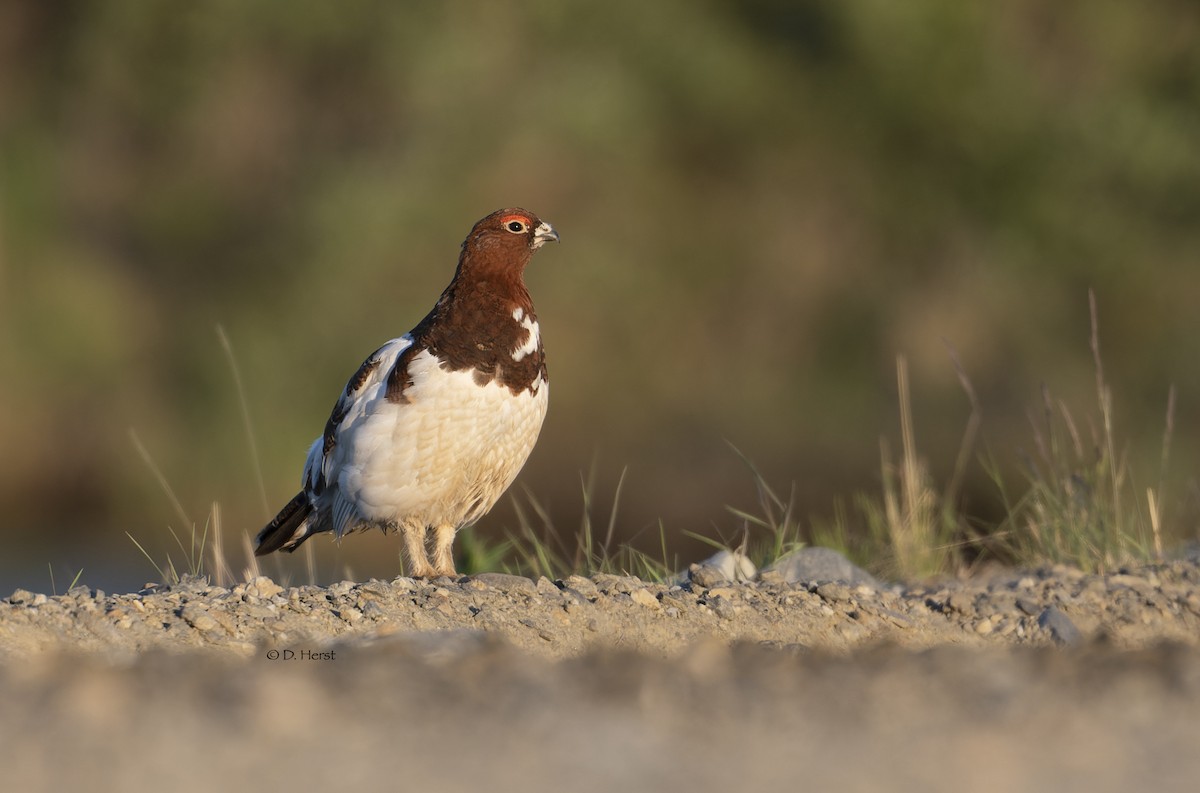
x: 762, y: 204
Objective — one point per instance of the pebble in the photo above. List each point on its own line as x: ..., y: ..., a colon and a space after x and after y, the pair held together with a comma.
x: 962, y: 602
x: 584, y: 586
x: 373, y: 610
x: 506, y: 583
x: 833, y: 592
x: 1060, y: 627
x: 645, y: 598
x: 706, y: 576
x: 263, y: 587
x: 547, y: 588
x: 20, y: 596
x: 818, y: 565
x: 341, y: 588
x: 198, y: 618
x: 1030, y: 607
x: 721, y: 607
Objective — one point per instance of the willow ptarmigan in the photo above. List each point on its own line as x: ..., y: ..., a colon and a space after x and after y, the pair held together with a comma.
x: 435, y: 425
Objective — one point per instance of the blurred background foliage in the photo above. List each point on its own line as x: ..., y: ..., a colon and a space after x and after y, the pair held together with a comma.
x: 762, y: 204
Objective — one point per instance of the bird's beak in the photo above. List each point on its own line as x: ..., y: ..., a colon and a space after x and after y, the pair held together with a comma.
x: 544, y: 233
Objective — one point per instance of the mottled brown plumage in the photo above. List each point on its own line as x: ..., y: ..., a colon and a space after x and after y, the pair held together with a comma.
x: 472, y: 325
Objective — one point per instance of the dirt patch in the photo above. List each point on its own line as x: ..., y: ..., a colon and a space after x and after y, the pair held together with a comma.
x: 1047, y: 679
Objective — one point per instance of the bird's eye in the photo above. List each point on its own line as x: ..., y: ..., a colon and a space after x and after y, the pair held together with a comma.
x: 515, y: 226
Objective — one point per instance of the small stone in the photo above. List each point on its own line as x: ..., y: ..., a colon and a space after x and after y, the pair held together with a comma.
x: 645, y: 598
x: 833, y: 592
x: 821, y: 565
x: 506, y: 583
x: 1028, y: 606
x: 617, y: 584
x: 263, y: 587
x: 584, y: 586
x: 706, y: 576
x: 198, y: 618
x: 573, y: 601
x: 547, y: 588
x: 372, y: 610
x: 721, y: 607
x: 374, y: 588
x: 339, y: 589
x: 1059, y: 626
x: 896, y: 618
x: 984, y: 626
x: 21, y: 596
x: 962, y: 602
x: 350, y: 615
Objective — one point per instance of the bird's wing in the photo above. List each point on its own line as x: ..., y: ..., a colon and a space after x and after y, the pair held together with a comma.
x: 373, y: 372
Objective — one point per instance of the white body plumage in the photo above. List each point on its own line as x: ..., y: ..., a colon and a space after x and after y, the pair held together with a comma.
x: 441, y: 457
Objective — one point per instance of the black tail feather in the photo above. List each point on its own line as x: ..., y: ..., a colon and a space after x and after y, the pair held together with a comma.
x: 281, y: 530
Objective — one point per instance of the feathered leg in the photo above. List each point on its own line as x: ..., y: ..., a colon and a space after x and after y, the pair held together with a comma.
x: 443, y: 551
x: 414, y: 551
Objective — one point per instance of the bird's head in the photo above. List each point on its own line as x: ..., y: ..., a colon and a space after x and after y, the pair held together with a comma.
x: 507, y: 239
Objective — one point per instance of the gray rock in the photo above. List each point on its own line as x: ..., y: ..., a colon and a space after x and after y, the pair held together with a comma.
x: 833, y: 592
x: 722, y: 607
x: 1028, y: 606
x: 1059, y: 626
x: 820, y: 566
x: 507, y: 583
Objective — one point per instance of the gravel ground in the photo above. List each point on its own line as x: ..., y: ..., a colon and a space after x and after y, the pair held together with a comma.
x: 1037, y: 680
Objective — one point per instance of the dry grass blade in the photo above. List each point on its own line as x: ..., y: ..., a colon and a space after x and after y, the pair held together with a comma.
x: 163, y: 484
x: 247, y: 424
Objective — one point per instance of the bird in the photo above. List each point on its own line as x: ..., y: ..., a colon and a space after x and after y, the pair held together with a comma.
x: 434, y: 426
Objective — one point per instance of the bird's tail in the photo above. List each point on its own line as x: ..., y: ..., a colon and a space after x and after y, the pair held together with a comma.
x: 288, y: 529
